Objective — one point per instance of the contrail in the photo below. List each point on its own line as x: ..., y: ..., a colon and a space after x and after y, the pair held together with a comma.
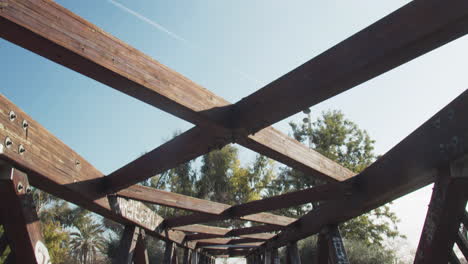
x: 173, y: 35
x: 147, y: 20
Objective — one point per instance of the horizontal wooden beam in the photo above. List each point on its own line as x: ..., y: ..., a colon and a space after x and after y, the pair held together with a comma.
x: 251, y: 210
x: 55, y: 168
x: 259, y: 232
x: 65, y: 38
x: 405, y: 34
x: 410, y: 165
x: 211, y: 211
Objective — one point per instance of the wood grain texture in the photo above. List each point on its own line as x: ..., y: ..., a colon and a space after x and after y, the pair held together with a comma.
x: 55, y: 168
x: 52, y: 31
x: 410, y: 165
x: 413, y: 30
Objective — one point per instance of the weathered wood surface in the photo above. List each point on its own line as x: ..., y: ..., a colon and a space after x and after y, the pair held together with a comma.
x: 208, y: 211
x: 61, y: 36
x: 21, y: 224
x: 410, y: 165
x: 413, y: 30
x: 444, y: 214
x: 205, y: 232
x: 136, y: 211
x: 127, y: 245
x: 54, y: 167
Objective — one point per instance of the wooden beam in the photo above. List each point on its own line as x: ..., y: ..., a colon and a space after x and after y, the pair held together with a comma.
x: 410, y: 165
x: 127, y: 245
x: 55, y: 168
x: 462, y: 243
x: 65, y: 38
x: 141, y: 253
x: 169, y: 253
x: 405, y: 34
x: 444, y: 215
x: 208, y: 211
x: 292, y: 254
x: 19, y: 218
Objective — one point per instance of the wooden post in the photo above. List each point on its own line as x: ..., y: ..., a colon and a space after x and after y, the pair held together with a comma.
x: 275, y: 256
x: 127, y: 245
x: 323, y: 253
x: 336, y: 247
x: 187, y: 253
x: 445, y: 213
x: 19, y: 218
x: 175, y: 259
x: 169, y: 252
x: 453, y: 259
x: 267, y: 256
x: 195, y: 257
x: 292, y: 254
x: 141, y: 253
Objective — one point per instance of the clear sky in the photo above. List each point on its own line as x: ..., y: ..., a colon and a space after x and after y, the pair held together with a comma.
x: 232, y: 48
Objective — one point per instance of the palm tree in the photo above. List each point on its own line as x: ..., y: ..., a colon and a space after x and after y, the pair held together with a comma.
x: 86, y: 243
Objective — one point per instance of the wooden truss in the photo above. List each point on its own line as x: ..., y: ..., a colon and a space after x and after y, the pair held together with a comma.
x: 435, y: 152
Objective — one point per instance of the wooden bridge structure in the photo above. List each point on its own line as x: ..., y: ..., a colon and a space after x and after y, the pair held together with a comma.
x: 436, y: 152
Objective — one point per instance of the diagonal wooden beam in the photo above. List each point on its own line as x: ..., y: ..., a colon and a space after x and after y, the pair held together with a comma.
x: 55, y: 168
x: 260, y: 231
x: 63, y: 37
x: 405, y: 34
x: 410, y: 165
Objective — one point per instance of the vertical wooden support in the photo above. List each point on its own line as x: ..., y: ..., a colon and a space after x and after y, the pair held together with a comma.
x: 323, y: 253
x: 462, y: 242
x: 267, y: 256
x: 195, y: 257
x: 127, y: 245
x: 292, y: 254
x: 187, y: 253
x: 141, y: 254
x: 175, y: 259
x: 444, y: 215
x: 336, y: 247
x: 275, y: 259
x: 19, y: 218
x: 169, y: 252
x: 330, y: 247
x: 453, y: 259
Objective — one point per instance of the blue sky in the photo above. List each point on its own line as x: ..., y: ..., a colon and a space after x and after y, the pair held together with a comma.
x: 232, y: 48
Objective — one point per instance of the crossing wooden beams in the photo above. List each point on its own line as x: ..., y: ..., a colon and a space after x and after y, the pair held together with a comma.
x: 437, y: 142
x: 55, y: 168
x: 407, y: 33
x: 61, y: 36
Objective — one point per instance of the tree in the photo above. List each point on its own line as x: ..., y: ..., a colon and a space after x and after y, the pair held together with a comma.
x: 341, y: 140
x: 87, y: 242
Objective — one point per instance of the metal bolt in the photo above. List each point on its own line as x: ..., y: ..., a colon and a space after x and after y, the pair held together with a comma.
x: 21, y: 149
x: 8, y: 142
x: 20, y: 187
x: 29, y: 189
x: 12, y: 116
x: 25, y: 124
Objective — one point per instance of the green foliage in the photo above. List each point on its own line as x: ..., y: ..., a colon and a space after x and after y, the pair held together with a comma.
x: 56, y: 240
x: 88, y: 242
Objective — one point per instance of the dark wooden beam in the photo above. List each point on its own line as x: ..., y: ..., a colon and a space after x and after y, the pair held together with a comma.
x: 55, y: 168
x: 21, y: 224
x: 65, y: 38
x: 141, y: 253
x: 405, y: 34
x: 292, y: 254
x: 209, y: 211
x: 127, y: 245
x: 444, y: 215
x: 462, y: 243
x: 3, y: 243
x: 410, y: 165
